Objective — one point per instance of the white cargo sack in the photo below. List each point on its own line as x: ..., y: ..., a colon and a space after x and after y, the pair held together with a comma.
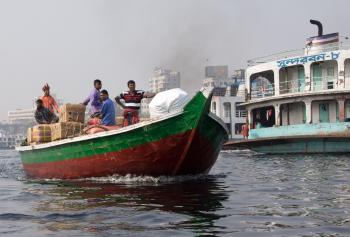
x: 168, y: 101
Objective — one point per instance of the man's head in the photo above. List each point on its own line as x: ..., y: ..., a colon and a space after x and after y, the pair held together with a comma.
x: 131, y: 85
x: 98, y: 84
x: 46, y: 89
x: 104, y: 95
x: 39, y: 103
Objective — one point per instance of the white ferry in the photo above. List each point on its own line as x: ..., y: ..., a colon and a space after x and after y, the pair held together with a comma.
x: 299, y: 101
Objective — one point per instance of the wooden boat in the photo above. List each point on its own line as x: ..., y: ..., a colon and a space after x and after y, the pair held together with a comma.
x: 180, y: 143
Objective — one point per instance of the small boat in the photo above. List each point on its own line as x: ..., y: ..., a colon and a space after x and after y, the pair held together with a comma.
x: 179, y: 143
x: 299, y: 101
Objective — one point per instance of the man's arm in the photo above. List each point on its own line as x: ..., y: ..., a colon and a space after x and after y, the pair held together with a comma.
x: 55, y: 105
x: 87, y: 100
x: 117, y: 100
x: 103, y: 111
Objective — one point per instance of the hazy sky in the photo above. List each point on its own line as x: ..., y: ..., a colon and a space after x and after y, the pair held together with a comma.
x: 69, y: 43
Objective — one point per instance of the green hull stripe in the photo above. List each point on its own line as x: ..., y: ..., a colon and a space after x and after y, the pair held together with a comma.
x: 189, y: 119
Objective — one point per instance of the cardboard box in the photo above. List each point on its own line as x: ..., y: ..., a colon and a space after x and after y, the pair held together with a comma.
x: 63, y: 130
x: 29, y: 135
x: 39, y: 134
x: 119, y: 120
x: 72, y: 113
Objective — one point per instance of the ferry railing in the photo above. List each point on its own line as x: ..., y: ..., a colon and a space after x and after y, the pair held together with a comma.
x: 297, y: 52
x: 291, y: 86
x: 317, y: 84
x: 327, y: 84
x: 262, y: 92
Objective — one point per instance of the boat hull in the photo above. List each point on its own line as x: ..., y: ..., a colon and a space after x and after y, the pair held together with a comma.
x: 294, y: 145
x: 188, y: 143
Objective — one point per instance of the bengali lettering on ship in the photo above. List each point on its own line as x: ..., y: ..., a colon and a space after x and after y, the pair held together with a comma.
x: 310, y: 58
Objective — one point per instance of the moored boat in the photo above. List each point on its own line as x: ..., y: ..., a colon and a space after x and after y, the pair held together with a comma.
x: 299, y: 101
x: 183, y: 142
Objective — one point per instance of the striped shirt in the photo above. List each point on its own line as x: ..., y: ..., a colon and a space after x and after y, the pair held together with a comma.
x: 132, y: 99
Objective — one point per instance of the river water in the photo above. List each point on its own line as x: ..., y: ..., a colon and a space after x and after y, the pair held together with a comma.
x: 245, y: 194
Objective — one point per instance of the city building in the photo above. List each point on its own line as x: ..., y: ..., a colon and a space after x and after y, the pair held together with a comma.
x: 228, y: 94
x: 144, y: 109
x: 21, y: 116
x: 164, y: 79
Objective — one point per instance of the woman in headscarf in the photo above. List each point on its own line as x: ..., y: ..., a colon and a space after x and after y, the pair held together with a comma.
x: 48, y: 101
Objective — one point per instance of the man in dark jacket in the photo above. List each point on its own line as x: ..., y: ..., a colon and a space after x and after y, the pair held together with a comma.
x: 44, y: 115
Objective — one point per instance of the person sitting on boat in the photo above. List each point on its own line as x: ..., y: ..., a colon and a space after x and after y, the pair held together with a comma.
x: 48, y: 101
x: 94, y: 99
x: 132, y: 102
x: 44, y: 115
x: 107, y: 115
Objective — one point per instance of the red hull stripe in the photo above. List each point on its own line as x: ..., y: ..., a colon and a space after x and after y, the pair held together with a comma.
x: 156, y: 158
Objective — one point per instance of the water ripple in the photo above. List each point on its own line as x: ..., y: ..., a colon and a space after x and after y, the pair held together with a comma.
x: 246, y: 194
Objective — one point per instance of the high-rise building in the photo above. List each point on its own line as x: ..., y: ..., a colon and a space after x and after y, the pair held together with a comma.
x: 164, y: 79
x: 217, y: 76
x: 227, y: 97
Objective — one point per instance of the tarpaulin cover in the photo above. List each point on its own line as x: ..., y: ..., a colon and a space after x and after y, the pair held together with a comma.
x: 168, y: 101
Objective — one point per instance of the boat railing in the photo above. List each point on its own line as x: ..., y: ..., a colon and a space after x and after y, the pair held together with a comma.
x: 317, y: 84
x: 262, y: 92
x: 295, y: 86
x: 296, y: 52
x: 321, y: 85
x: 291, y: 86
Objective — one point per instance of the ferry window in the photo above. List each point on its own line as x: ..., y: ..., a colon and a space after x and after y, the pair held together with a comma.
x: 301, y: 79
x: 214, y: 107
x: 264, y: 117
x: 330, y: 71
x: 262, y: 84
x: 227, y: 109
x: 228, y: 125
x: 238, y: 128
x: 316, y: 77
x: 347, y: 111
x: 330, y: 77
x: 240, y: 110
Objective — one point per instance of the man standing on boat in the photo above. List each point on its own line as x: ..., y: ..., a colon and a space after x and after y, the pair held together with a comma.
x: 48, y: 101
x: 94, y: 99
x: 44, y: 115
x: 107, y: 115
x: 132, y: 99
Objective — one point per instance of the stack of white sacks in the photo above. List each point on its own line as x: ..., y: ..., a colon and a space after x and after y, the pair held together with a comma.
x: 166, y: 102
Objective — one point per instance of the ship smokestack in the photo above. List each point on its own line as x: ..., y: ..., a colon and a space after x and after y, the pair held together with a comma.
x: 319, y: 25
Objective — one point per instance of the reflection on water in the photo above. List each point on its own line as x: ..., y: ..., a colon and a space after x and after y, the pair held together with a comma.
x: 246, y: 194
x: 90, y: 205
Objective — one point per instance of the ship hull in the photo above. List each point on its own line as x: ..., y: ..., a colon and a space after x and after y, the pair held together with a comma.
x: 294, y: 145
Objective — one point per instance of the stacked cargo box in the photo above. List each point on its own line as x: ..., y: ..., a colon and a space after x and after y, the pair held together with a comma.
x: 71, y: 124
x: 64, y: 130
x: 39, y: 134
x: 72, y: 113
